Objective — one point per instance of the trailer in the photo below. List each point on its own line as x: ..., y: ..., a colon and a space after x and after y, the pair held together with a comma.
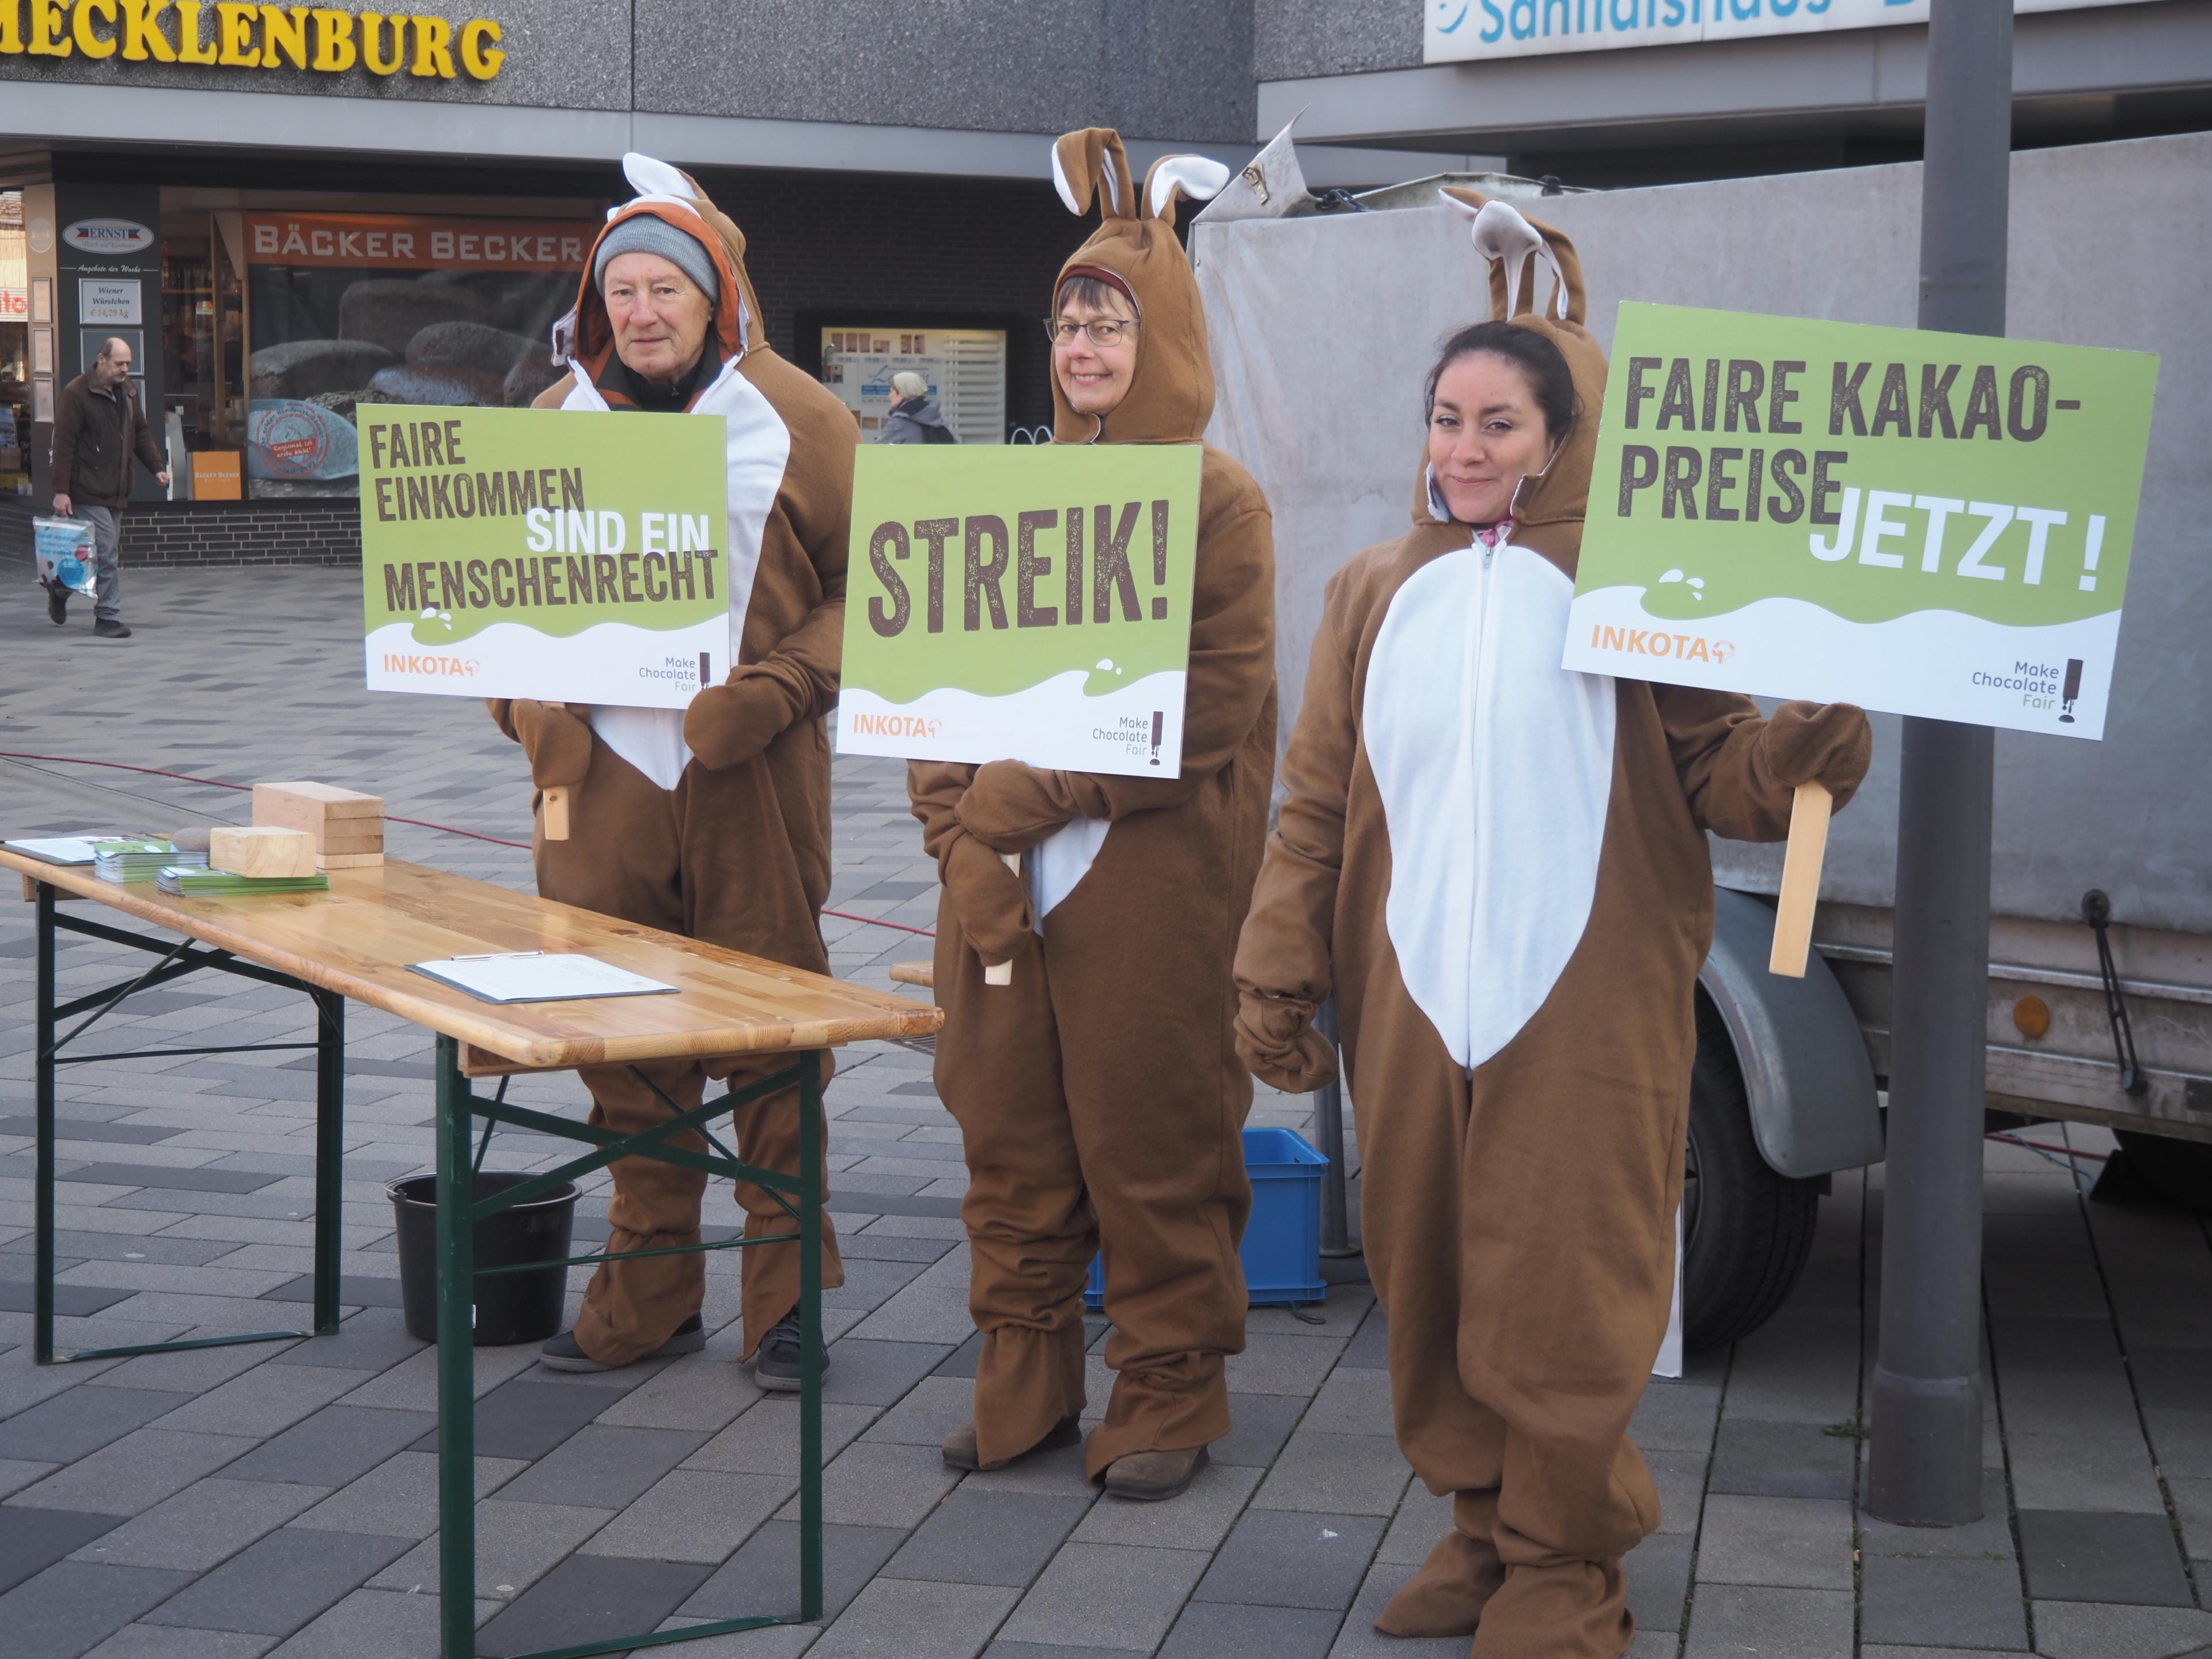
x: 1324, y: 317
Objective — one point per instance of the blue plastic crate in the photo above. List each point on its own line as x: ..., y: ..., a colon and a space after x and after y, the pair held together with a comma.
x: 1281, y: 1250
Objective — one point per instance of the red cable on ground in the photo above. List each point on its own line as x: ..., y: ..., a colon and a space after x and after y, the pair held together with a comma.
x: 2046, y: 1146
x: 419, y: 824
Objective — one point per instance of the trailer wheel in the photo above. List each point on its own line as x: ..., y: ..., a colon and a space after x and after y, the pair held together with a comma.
x: 2178, y: 1171
x: 1747, y: 1231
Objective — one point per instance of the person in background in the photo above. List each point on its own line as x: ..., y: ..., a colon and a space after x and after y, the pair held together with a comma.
x: 914, y: 417
x: 98, y: 427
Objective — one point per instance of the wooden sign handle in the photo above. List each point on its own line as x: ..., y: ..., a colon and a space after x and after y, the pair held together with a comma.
x: 1801, y: 880
x: 1002, y: 973
x: 557, y: 802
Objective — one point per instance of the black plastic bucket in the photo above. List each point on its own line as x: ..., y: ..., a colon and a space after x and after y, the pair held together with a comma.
x: 516, y: 1307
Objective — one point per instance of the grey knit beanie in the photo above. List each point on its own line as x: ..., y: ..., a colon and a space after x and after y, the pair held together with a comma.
x: 647, y: 233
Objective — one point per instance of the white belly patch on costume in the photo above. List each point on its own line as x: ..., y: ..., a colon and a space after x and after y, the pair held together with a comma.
x: 1055, y: 864
x: 758, y: 446
x: 1495, y: 768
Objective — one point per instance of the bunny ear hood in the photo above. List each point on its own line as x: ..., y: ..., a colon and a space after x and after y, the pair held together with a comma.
x: 1171, y: 396
x: 1520, y: 251
x: 673, y: 197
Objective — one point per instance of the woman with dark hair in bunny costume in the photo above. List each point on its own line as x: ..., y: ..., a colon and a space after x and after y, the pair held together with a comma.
x: 1499, y: 868
x: 1098, y: 1093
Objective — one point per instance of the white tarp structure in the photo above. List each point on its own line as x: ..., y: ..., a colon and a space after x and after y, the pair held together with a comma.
x: 1323, y: 328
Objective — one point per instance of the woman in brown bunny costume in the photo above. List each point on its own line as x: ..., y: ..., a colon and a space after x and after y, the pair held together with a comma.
x: 1099, y: 1092
x: 713, y: 821
x: 1499, y: 869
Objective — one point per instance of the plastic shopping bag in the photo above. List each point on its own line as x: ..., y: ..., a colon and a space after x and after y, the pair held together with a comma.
x: 65, y: 555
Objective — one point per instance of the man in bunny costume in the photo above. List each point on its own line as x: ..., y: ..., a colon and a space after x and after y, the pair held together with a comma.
x: 713, y: 821
x: 1499, y: 869
x: 1098, y: 1093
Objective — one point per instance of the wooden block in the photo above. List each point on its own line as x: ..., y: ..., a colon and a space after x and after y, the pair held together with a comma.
x: 264, y: 849
x: 339, y: 803
x: 344, y: 837
x: 1801, y: 880
x: 556, y: 814
x: 923, y: 974
x: 1002, y: 973
x: 348, y: 860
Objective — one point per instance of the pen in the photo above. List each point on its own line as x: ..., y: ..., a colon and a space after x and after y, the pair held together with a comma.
x: 496, y: 956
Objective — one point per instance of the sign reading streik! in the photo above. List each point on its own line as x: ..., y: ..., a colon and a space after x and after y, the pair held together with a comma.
x: 1930, y: 523
x: 323, y: 40
x: 1456, y: 31
x: 1021, y: 604
x: 565, y: 555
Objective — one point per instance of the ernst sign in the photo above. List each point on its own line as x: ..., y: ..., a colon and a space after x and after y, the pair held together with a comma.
x: 231, y: 34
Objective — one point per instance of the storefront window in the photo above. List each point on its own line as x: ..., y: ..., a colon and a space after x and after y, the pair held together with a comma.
x: 965, y: 369
x: 348, y: 309
x: 14, y: 349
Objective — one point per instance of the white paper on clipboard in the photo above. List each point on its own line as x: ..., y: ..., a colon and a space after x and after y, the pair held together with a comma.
x: 537, y: 977
x: 55, y: 849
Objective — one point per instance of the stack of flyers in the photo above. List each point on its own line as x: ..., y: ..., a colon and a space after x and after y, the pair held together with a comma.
x: 185, y: 879
x: 140, y: 860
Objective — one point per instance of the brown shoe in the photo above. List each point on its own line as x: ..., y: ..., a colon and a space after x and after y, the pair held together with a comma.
x: 1447, y: 1595
x: 960, y: 1451
x: 1148, y: 1477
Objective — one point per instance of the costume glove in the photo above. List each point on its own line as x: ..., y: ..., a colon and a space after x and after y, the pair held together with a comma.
x: 1011, y: 807
x: 991, y: 902
x: 1829, y: 744
x: 727, y: 725
x: 1278, y: 1043
x: 558, y: 743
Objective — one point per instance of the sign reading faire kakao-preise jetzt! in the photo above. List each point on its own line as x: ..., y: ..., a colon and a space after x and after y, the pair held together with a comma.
x: 1930, y: 524
x: 566, y: 555
x: 1021, y: 604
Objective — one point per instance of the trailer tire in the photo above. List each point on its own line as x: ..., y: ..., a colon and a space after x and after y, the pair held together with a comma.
x: 1747, y: 1232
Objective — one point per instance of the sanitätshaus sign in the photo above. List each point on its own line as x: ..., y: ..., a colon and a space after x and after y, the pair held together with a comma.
x: 566, y: 555
x: 1458, y: 31
x: 1930, y: 523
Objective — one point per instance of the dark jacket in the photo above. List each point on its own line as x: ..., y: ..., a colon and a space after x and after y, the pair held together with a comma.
x: 916, y: 420
x: 95, y: 435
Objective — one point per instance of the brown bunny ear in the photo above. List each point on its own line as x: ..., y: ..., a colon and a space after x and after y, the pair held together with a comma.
x: 1091, y: 166
x: 1516, y: 248
x: 1198, y: 177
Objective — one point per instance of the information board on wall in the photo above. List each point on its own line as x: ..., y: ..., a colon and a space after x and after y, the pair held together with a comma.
x: 566, y: 555
x: 1930, y: 523
x: 1021, y: 603
x: 965, y: 369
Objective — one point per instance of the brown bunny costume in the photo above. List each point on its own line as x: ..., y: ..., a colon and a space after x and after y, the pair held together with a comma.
x: 1499, y: 869
x: 713, y: 822
x: 1100, y: 1092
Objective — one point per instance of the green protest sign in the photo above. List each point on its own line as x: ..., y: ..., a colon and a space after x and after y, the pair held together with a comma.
x: 565, y: 555
x: 1021, y: 604
x: 1931, y: 523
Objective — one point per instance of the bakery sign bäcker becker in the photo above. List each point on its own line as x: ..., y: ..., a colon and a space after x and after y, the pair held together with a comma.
x: 231, y: 34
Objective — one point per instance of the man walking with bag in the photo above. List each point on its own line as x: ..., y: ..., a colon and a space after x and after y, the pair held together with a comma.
x: 98, y: 427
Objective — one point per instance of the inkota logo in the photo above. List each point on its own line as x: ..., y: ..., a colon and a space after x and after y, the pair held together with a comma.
x: 1657, y: 642
x: 114, y: 237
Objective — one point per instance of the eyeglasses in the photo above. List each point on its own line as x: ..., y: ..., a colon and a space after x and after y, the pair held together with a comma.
x: 1102, y: 331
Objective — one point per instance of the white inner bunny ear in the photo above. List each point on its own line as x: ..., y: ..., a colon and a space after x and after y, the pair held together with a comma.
x: 1059, y: 183
x: 1500, y: 233
x: 650, y: 177
x: 1198, y: 177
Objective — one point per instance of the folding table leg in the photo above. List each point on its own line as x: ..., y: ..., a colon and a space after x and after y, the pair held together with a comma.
x: 42, y: 1316
x: 456, y: 1427
x: 330, y: 1155
x: 810, y: 1336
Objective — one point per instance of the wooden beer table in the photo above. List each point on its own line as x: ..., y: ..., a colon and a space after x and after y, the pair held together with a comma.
x: 358, y: 940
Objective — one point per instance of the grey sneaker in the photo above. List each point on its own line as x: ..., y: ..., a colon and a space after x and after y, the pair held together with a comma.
x: 564, y: 1354
x: 57, y: 603
x: 778, y: 1364
x: 107, y: 628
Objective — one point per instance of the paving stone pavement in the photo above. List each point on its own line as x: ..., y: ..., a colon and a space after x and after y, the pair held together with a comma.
x: 280, y: 1499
